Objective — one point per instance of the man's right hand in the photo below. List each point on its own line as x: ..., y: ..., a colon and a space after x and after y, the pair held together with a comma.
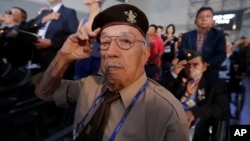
x: 178, y: 65
x: 51, y: 16
x: 78, y: 46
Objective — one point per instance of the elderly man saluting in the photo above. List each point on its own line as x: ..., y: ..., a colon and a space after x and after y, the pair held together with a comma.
x: 203, y: 97
x: 121, y: 103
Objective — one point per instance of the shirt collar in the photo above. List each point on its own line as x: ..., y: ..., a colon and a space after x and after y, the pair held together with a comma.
x: 204, y: 32
x: 127, y: 94
x: 197, y: 78
x: 56, y: 7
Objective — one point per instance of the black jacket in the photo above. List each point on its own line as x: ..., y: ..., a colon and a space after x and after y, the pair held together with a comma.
x: 210, y: 110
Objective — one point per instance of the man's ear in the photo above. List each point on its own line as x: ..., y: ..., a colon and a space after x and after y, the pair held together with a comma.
x: 205, y: 66
x: 146, y: 53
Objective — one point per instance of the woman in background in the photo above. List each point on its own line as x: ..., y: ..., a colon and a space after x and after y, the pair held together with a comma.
x: 170, y: 48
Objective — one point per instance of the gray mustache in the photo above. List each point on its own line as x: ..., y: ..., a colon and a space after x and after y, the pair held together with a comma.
x: 113, y: 64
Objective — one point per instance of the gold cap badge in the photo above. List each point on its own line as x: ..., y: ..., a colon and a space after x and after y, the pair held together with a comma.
x: 131, y: 16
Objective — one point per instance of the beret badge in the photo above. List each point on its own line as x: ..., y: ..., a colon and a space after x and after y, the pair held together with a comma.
x: 131, y: 16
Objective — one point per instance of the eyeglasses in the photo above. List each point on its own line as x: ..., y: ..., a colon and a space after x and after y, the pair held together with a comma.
x: 124, y: 42
x: 8, y: 12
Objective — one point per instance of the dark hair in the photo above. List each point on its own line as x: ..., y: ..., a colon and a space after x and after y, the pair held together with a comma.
x: 153, y: 25
x: 203, y: 9
x: 159, y: 26
x: 23, y: 12
x: 170, y: 26
x: 226, y: 34
x: 243, y: 37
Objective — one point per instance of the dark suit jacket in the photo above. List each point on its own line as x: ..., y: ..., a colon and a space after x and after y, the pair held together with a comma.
x: 214, y: 48
x: 214, y: 107
x: 237, y: 68
x: 14, y: 48
x: 58, y: 31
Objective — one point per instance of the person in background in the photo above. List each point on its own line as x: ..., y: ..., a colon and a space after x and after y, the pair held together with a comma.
x: 129, y: 96
x: 233, y: 71
x: 14, y: 55
x: 224, y: 72
x: 14, y: 48
x: 1, y: 22
x: 170, y: 48
x: 244, y: 49
x: 53, y: 26
x: 179, y: 39
x: 153, y: 67
x: 204, y: 98
x: 88, y: 66
x: 1, y: 19
x: 206, y: 39
x: 159, y: 30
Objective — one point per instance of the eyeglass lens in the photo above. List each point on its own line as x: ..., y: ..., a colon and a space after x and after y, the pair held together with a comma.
x: 124, y: 42
x: 8, y: 12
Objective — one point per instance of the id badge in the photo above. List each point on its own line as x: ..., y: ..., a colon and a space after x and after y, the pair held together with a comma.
x: 167, y: 49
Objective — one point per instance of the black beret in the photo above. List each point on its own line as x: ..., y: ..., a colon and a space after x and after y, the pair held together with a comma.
x: 122, y: 14
x: 190, y: 54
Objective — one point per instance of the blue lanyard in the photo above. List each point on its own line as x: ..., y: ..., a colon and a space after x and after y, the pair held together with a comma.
x: 119, y: 125
x: 80, y: 125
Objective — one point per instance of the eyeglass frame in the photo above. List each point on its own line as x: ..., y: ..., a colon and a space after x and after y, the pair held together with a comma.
x: 8, y: 12
x: 115, y: 38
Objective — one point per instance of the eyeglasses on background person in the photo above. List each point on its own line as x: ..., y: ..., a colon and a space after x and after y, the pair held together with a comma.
x: 8, y: 12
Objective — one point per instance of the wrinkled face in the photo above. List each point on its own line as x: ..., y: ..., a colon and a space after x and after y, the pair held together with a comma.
x: 122, y: 66
x: 204, y: 19
x: 195, y: 68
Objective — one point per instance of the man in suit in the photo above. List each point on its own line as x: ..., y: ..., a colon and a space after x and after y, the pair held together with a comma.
x: 203, y: 98
x: 206, y: 39
x: 53, y: 25
x: 13, y: 48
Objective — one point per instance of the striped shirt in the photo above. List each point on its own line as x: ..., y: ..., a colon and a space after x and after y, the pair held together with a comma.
x: 201, y: 37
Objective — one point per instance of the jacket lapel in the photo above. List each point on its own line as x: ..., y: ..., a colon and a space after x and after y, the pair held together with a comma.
x: 194, y: 39
x: 202, y: 94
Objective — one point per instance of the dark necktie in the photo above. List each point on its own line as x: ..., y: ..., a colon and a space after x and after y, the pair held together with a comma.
x: 94, y: 129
